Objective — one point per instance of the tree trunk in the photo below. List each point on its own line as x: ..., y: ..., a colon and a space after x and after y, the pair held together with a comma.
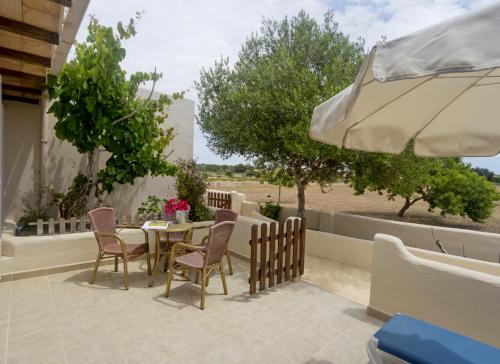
x: 301, y: 196
x: 279, y: 194
x: 92, y: 167
x: 405, y: 207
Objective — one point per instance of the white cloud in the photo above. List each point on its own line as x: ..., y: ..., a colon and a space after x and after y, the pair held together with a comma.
x: 179, y: 37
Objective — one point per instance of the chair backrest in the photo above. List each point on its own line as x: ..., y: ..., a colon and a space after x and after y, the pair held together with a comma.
x: 103, y: 220
x: 225, y: 215
x: 218, y: 239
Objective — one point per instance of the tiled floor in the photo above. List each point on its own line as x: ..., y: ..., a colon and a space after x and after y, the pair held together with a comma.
x: 345, y: 280
x: 62, y: 319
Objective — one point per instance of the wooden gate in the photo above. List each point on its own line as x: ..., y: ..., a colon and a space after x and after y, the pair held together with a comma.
x: 219, y: 199
x: 278, y: 254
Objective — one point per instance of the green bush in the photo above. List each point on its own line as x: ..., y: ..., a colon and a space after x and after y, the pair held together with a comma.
x: 457, y: 190
x: 32, y: 212
x: 152, y: 206
x: 73, y: 202
x: 191, y: 185
x: 270, y: 210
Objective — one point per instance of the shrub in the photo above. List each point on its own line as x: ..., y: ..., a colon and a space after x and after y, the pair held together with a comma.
x: 32, y: 212
x: 191, y: 185
x: 73, y: 202
x: 152, y: 206
x: 270, y: 210
x: 458, y: 190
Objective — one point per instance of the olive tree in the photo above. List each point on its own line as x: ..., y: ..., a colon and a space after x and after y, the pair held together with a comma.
x: 261, y: 106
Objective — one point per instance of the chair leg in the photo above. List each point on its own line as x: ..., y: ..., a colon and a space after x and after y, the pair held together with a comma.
x: 165, y: 265
x: 204, y: 278
x: 96, y: 265
x: 223, y: 277
x: 116, y: 264
x: 125, y: 273
x: 169, y: 281
x: 228, y: 256
x: 208, y: 279
x: 148, y: 262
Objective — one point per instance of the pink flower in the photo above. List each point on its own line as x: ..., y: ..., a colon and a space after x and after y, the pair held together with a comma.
x: 174, y: 205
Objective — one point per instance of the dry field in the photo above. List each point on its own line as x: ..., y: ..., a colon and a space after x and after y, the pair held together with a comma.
x: 340, y: 198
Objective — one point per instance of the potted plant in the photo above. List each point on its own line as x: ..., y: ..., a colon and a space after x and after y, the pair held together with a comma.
x: 177, y: 210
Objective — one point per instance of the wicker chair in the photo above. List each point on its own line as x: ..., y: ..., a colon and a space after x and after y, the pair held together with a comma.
x: 111, y: 244
x: 221, y: 216
x: 202, y: 259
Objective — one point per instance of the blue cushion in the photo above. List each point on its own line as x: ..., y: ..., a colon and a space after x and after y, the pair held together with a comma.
x: 419, y: 342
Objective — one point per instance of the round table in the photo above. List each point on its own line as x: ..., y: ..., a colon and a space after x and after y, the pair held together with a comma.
x: 172, y: 228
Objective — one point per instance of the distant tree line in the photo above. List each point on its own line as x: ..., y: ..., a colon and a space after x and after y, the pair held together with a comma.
x: 486, y: 173
x: 241, y: 169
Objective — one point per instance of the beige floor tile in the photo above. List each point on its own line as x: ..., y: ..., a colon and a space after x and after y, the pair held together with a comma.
x: 62, y: 318
x: 52, y: 356
x: 30, y: 309
x: 30, y: 284
x: 294, y: 346
x: 28, y: 345
x: 265, y: 354
x: 28, y: 296
x: 32, y: 324
x: 347, y: 349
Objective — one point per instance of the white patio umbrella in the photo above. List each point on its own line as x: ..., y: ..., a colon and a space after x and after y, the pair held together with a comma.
x: 439, y: 86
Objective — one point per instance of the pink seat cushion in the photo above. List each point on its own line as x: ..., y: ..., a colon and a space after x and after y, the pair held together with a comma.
x: 191, y: 260
x: 133, y: 250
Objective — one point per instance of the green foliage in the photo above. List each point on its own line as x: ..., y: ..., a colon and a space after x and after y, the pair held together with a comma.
x: 261, y: 108
x: 33, y: 211
x: 152, y: 206
x: 73, y: 202
x: 457, y: 190
x: 274, y: 175
x: 97, y: 109
x: 191, y: 185
x: 447, y: 184
x: 270, y: 210
x: 404, y: 175
x: 485, y: 172
x: 223, y: 169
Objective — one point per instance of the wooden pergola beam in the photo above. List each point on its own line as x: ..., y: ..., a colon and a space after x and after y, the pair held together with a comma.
x: 28, y: 30
x: 26, y: 100
x: 21, y: 75
x: 26, y: 90
x: 25, y: 57
x: 66, y: 3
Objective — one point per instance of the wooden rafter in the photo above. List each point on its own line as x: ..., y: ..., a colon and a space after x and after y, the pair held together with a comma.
x: 25, y: 57
x: 29, y: 30
x: 66, y: 3
x: 21, y: 75
x: 23, y: 89
x: 21, y: 99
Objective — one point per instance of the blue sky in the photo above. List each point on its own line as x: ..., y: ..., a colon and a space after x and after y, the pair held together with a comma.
x: 179, y: 37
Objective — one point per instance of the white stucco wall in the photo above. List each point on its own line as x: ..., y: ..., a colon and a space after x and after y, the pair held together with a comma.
x: 22, y: 158
x: 451, y: 296
x: 21, y: 148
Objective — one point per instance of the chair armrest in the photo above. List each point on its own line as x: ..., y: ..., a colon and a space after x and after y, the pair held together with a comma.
x: 115, y: 236
x: 128, y: 226
x: 176, y: 247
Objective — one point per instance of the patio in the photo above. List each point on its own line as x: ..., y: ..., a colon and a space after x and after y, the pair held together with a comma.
x: 62, y: 319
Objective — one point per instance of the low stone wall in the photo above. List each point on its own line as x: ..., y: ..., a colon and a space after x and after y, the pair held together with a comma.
x: 459, y: 242
x: 449, y: 294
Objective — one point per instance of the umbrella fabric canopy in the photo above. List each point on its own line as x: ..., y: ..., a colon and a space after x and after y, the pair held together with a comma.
x: 439, y: 86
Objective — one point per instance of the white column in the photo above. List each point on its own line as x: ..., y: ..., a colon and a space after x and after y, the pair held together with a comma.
x: 43, y: 143
x: 1, y: 171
